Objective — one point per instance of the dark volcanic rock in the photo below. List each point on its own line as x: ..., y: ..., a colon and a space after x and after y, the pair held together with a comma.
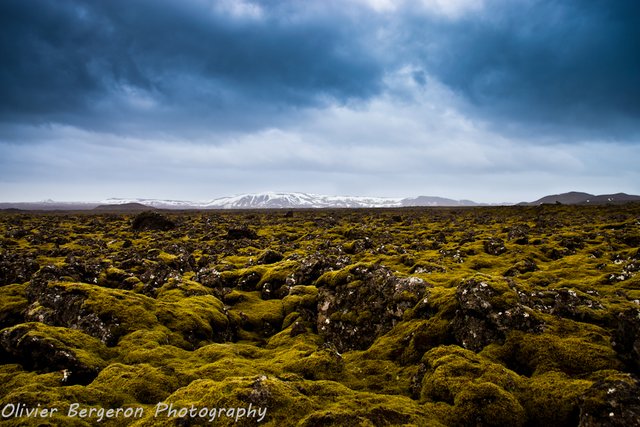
x: 611, y: 403
x: 16, y: 268
x: 519, y: 234
x: 569, y: 303
x: 269, y: 257
x: 626, y: 338
x: 34, y: 351
x: 485, y: 316
x: 364, y: 303
x: 151, y: 221
x: 235, y: 233
x: 58, y: 306
x: 494, y: 246
x: 314, y: 266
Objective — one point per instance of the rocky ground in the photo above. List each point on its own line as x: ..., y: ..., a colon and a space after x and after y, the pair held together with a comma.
x: 505, y: 316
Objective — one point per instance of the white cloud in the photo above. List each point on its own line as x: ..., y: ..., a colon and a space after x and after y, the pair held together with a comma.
x: 447, y: 8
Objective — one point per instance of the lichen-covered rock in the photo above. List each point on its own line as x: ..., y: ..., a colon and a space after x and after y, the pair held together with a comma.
x: 611, y: 402
x: 49, y: 349
x: 519, y: 234
x: 103, y: 313
x: 626, y: 338
x: 488, y: 310
x: 361, y: 303
x: 494, y: 246
x: 147, y: 221
x: 314, y: 266
x: 573, y: 304
x: 564, y: 302
x: 15, y: 268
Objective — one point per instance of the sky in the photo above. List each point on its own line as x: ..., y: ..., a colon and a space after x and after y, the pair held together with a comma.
x: 488, y: 100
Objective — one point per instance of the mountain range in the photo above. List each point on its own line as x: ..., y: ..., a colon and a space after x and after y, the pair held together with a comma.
x: 272, y: 200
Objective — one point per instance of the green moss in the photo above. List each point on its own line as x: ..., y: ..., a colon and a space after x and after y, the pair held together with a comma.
x: 534, y: 354
x: 487, y: 404
x: 141, y: 383
x: 13, y: 302
x: 451, y: 369
x: 254, y: 315
x: 551, y: 399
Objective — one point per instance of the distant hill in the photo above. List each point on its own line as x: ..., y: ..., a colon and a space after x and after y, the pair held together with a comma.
x: 124, y: 207
x: 578, y: 198
x: 436, y: 201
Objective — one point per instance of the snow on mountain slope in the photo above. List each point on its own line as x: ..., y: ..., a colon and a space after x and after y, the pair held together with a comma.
x: 274, y: 200
x: 299, y: 200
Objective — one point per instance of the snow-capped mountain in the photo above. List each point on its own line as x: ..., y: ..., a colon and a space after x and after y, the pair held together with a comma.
x: 299, y: 200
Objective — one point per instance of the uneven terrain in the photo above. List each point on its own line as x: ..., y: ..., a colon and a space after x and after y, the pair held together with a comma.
x: 505, y: 316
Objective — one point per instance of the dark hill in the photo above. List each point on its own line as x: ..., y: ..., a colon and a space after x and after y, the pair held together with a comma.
x: 612, y: 198
x: 124, y: 207
x: 571, y: 198
x: 579, y: 198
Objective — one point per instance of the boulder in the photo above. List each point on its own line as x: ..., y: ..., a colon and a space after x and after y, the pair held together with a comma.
x: 488, y: 311
x: 43, y: 348
x: 626, y: 338
x: 494, y: 246
x: 147, y: 221
x: 359, y: 304
x: 611, y: 403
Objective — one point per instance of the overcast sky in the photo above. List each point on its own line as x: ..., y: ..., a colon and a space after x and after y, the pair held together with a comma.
x: 489, y: 100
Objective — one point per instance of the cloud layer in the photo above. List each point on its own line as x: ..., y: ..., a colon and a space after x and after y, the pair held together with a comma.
x: 494, y: 100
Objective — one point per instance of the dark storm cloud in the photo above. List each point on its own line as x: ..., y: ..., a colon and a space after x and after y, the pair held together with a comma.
x: 101, y: 64
x: 567, y: 67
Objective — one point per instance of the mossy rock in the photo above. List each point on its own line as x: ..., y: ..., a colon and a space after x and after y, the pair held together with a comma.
x: 486, y: 404
x: 47, y: 348
x: 448, y: 370
x: 198, y: 319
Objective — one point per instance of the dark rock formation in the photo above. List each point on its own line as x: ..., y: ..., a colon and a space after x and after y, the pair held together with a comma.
x: 485, y: 315
x: 269, y: 256
x: 15, y: 268
x: 146, y: 221
x: 494, y: 246
x: 626, y: 338
x: 59, y: 306
x: 363, y: 303
x: 314, y: 266
x: 611, y: 403
x: 244, y: 232
x: 519, y: 234
x: 23, y: 344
